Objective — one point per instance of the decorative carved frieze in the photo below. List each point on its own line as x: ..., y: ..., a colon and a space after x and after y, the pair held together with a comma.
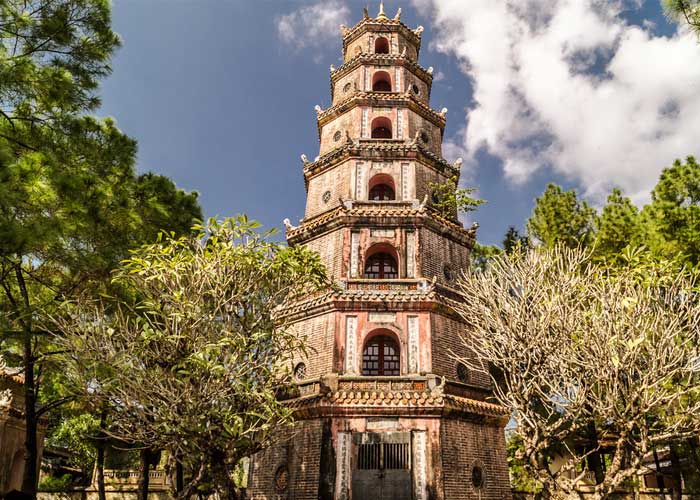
x: 382, y: 317
x: 382, y: 233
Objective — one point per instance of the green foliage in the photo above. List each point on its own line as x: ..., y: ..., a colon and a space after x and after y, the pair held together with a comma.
x: 71, y: 205
x: 193, y: 360
x: 450, y: 200
x: 521, y: 479
x: 687, y: 11
x: 619, y: 226
x: 673, y: 216
x: 77, y: 434
x: 56, y: 483
x: 514, y: 241
x: 481, y: 255
x: 560, y: 218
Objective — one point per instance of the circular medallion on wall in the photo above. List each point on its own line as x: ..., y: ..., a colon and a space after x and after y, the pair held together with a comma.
x: 300, y: 371
x: 347, y: 87
x: 326, y: 197
x: 478, y: 476
x: 415, y: 89
x: 448, y: 272
x: 425, y: 137
x: 337, y: 136
x: 281, y: 479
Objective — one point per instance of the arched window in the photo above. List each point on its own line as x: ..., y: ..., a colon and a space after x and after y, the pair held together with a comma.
x: 381, y: 192
x: 381, y: 82
x: 381, y: 265
x: 381, y: 188
x: 381, y: 128
x: 381, y: 45
x: 381, y: 356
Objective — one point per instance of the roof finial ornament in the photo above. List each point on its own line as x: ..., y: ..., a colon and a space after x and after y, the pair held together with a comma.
x: 430, y: 70
x: 458, y: 163
x: 419, y: 30
x: 318, y: 109
x: 382, y: 14
x: 304, y: 158
x: 365, y: 12
x: 332, y: 68
x: 397, y: 17
x: 443, y: 111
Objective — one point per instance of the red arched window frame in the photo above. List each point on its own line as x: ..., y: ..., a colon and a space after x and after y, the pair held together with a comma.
x: 381, y: 265
x: 381, y: 128
x: 381, y: 192
x: 381, y: 45
x: 381, y: 357
x: 381, y: 82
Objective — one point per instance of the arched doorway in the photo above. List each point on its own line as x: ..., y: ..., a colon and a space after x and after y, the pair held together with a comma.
x: 381, y: 45
x: 381, y: 82
x: 381, y: 188
x: 381, y: 128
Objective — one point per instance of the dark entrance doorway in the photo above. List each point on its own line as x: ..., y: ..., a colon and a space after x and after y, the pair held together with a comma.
x: 382, y: 467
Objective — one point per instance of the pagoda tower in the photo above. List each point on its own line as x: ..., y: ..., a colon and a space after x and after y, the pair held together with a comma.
x: 384, y: 410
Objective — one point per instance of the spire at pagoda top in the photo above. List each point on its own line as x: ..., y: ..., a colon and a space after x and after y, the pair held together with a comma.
x: 381, y: 15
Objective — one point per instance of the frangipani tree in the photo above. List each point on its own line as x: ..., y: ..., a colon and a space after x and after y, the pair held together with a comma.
x: 193, y: 362
x: 574, y: 347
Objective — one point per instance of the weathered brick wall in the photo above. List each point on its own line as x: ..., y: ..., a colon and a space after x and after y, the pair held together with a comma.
x: 465, y: 444
x: 320, y: 341
x: 337, y: 181
x: 299, y: 449
x: 436, y: 251
x: 416, y: 124
x: 349, y: 121
x: 330, y: 247
x: 447, y: 345
x: 424, y: 177
x: 346, y: 86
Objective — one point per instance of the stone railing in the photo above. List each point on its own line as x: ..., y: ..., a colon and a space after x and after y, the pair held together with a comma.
x: 385, y: 284
x: 129, y: 478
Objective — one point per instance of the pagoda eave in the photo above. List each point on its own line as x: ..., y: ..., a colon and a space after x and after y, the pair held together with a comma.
x: 378, y: 216
x: 381, y: 25
x: 389, y: 99
x: 379, y: 149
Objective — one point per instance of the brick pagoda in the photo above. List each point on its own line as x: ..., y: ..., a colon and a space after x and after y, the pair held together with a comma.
x: 384, y: 410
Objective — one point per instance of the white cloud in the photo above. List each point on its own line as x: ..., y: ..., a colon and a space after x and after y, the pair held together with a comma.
x: 313, y: 25
x: 569, y: 85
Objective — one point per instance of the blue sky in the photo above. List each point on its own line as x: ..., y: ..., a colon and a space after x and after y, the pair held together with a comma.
x: 220, y: 95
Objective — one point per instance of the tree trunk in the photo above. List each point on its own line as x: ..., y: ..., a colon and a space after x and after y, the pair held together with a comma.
x: 677, y: 490
x: 595, y: 462
x: 222, y: 477
x: 142, y: 493
x: 659, y: 474
x: 179, y: 477
x: 30, y: 478
x: 100, y: 462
